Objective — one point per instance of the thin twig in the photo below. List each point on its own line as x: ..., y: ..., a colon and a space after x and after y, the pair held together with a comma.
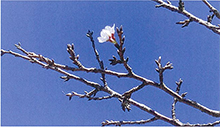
x: 175, y: 100
x: 121, y: 50
x: 87, y: 95
x: 101, y: 64
x: 73, y: 56
x: 129, y: 92
x: 161, y: 69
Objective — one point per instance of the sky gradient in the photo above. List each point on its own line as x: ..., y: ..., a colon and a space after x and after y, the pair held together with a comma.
x: 32, y: 95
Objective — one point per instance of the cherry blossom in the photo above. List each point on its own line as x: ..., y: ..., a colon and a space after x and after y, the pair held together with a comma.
x: 107, y: 34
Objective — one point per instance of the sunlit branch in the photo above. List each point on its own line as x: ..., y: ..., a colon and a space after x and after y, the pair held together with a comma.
x: 175, y: 100
x: 126, y: 100
x: 92, y: 84
x: 61, y: 68
x: 208, y: 124
x: 129, y: 92
x: 88, y: 95
x: 212, y: 9
x: 161, y: 69
x: 119, y: 123
x: 191, y: 17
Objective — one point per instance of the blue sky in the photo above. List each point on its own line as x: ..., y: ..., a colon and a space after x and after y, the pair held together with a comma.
x: 31, y: 95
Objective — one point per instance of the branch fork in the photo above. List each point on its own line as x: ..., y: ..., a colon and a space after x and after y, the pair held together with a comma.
x: 161, y: 69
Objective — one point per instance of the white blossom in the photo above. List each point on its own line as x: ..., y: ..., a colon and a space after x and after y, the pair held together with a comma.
x: 107, y: 34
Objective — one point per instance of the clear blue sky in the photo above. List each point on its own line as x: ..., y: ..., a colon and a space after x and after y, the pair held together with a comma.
x: 31, y: 95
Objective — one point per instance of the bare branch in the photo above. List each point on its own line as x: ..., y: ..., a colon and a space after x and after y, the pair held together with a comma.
x: 212, y: 9
x: 208, y: 124
x: 184, y: 23
x: 178, y: 85
x: 129, y: 92
x: 119, y: 123
x: 121, y: 50
x: 33, y: 60
x: 18, y: 46
x: 88, y: 95
x: 73, y: 56
x: 175, y: 100
x: 15, y: 54
x: 89, y: 34
x: 190, y: 16
x: 126, y: 100
x: 161, y: 69
x: 99, y: 87
x: 194, y: 104
x: 118, y: 74
x: 115, y: 61
x: 155, y: 113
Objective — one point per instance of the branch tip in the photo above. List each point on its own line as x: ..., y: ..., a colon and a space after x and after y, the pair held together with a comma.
x: 181, y: 6
x: 169, y: 2
x: 66, y: 78
x: 183, y: 94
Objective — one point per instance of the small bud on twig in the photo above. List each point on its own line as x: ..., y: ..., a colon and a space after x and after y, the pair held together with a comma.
x: 168, y: 2
x: 210, y: 17
x: 66, y: 78
x: 185, y: 22
x: 70, y: 95
x: 181, y: 5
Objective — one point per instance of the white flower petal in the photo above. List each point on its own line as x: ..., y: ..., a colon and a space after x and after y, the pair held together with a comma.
x: 110, y: 29
x: 105, y: 33
x: 101, y: 39
x: 113, y: 29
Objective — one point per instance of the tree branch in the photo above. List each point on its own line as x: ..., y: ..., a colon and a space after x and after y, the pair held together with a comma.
x: 212, y: 9
x: 73, y: 56
x: 121, y: 51
x: 161, y: 69
x: 214, y: 28
x: 88, y: 95
x: 50, y: 64
x: 125, y: 98
x: 208, y: 124
x: 129, y: 92
x: 175, y: 100
x: 118, y: 74
x: 119, y: 123
x: 96, y: 86
x: 89, y: 34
